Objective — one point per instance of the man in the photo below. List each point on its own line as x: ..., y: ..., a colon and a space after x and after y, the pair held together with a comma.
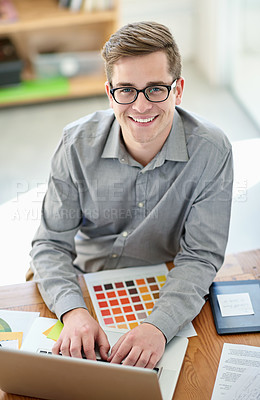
x: 142, y: 183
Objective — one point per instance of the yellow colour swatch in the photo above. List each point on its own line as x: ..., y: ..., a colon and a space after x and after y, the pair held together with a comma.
x: 161, y: 278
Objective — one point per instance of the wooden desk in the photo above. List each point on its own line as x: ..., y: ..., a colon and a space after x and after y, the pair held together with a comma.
x: 200, y: 365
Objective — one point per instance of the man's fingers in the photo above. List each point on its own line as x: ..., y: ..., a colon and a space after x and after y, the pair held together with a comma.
x: 131, y: 348
x: 56, y: 347
x: 146, y: 360
x: 84, y: 341
x: 125, y: 353
x: 88, y: 345
x: 133, y: 356
x: 75, y: 347
x: 115, y: 348
x: 119, y: 355
x: 65, y: 347
x: 153, y: 361
x: 142, y: 347
x: 62, y: 346
x: 103, y: 344
x: 81, y: 332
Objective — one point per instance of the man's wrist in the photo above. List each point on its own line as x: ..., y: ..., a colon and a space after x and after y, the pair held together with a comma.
x: 67, y: 314
x: 158, y: 329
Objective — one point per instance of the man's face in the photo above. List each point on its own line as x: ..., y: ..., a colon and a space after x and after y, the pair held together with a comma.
x: 144, y: 122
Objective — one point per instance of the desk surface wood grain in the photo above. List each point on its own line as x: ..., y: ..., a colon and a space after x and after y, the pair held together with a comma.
x: 201, y: 361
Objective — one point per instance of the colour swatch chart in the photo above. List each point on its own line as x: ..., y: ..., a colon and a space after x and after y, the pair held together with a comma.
x: 123, y: 298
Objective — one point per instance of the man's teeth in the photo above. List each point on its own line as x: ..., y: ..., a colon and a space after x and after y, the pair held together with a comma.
x: 143, y: 120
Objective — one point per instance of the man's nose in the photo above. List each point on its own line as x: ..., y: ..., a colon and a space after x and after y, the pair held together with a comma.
x: 141, y: 104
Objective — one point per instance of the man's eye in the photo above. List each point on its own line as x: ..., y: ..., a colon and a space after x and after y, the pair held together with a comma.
x: 155, y: 89
x: 126, y: 91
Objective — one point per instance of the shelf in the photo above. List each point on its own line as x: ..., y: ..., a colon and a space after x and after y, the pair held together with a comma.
x: 60, y: 89
x: 44, y: 23
x: 44, y: 14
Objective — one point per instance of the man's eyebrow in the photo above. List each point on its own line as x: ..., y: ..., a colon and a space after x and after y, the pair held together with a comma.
x: 154, y: 83
x: 122, y: 84
x: 151, y: 83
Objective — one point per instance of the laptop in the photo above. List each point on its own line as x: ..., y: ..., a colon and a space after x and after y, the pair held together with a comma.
x: 38, y: 374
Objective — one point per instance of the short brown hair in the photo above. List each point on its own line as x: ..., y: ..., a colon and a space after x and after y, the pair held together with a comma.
x: 141, y: 38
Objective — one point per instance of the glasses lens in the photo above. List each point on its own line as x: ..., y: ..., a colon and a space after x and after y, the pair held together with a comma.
x: 125, y: 95
x: 157, y: 93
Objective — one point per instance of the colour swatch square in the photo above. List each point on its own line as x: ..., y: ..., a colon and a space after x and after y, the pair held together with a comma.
x: 123, y: 298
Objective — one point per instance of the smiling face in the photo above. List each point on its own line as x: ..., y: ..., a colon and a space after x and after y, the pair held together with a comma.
x: 144, y: 124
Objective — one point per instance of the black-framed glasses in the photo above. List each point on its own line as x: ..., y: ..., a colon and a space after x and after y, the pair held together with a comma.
x: 154, y: 93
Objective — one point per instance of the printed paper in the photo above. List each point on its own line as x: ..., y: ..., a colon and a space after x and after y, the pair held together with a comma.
x: 238, y: 373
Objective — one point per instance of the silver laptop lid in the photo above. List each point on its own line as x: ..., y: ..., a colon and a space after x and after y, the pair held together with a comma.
x: 56, y: 377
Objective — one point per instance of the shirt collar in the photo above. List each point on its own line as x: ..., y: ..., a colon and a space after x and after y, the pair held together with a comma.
x: 175, y: 145
x: 112, y: 146
x: 174, y: 149
x: 115, y: 148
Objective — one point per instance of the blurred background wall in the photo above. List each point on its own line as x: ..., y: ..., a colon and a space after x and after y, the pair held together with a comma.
x: 220, y: 45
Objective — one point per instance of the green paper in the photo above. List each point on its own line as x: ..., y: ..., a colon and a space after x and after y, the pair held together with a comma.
x: 55, y: 332
x: 35, y: 89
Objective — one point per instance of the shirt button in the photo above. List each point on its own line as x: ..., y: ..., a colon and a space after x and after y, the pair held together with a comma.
x: 141, y: 204
x: 114, y: 255
x: 122, y: 160
x: 124, y: 234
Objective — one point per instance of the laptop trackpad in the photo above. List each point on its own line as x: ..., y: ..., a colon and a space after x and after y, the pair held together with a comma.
x: 167, y: 383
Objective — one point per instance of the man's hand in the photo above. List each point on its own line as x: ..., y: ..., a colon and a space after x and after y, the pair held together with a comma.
x: 81, y: 331
x: 143, y: 347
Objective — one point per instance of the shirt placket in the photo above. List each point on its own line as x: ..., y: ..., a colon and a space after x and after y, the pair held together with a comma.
x: 138, y: 215
x: 141, y: 197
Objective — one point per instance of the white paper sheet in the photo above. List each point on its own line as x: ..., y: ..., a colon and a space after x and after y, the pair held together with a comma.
x: 235, y: 304
x: 19, y: 321
x: 10, y: 344
x: 35, y: 339
x: 238, y: 373
x: 187, y: 331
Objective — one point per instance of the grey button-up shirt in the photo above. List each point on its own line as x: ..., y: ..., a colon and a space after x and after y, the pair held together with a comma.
x: 104, y: 210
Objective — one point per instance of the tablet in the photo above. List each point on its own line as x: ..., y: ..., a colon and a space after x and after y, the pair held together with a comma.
x: 243, y: 297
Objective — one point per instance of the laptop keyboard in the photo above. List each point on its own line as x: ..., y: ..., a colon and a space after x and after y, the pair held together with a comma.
x: 43, y: 351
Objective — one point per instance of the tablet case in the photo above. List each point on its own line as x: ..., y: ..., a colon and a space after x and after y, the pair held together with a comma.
x: 241, y: 323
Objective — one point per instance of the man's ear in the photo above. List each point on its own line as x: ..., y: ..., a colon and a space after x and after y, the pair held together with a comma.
x: 179, y: 91
x: 110, y: 98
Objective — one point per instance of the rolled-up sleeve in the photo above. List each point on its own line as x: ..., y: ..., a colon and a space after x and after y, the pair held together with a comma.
x: 53, y: 249
x: 202, y: 248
